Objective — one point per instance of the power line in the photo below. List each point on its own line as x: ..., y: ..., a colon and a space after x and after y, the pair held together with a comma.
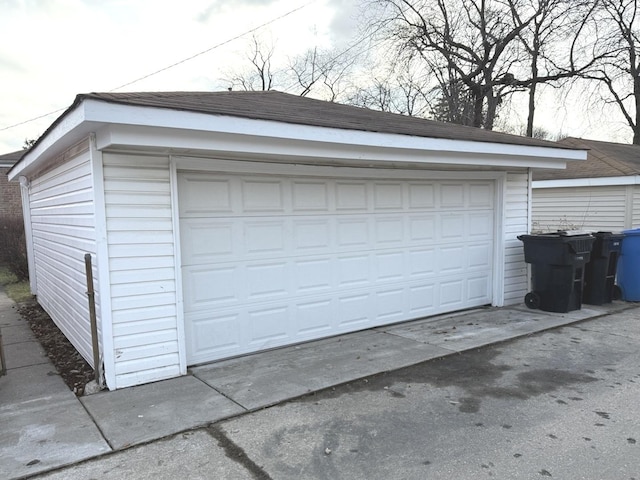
x: 31, y: 120
x: 216, y: 46
x: 176, y: 63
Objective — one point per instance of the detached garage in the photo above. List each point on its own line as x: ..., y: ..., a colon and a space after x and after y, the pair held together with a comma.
x: 222, y: 224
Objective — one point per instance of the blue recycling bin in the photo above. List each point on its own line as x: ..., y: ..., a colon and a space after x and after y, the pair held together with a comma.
x: 629, y: 266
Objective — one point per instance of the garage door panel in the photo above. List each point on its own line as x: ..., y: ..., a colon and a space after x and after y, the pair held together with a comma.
x: 451, y: 293
x: 310, y: 196
x: 209, y: 335
x: 265, y: 237
x: 478, y: 288
x: 422, y: 262
x: 422, y: 299
x: 422, y: 228
x: 389, y: 266
x: 313, y: 275
x: 316, y: 316
x: 388, y: 196
x: 311, y: 236
x: 204, y: 241
x: 268, y: 326
x: 354, y: 310
x: 267, y: 280
x: 353, y: 232
x: 353, y: 270
x: 422, y: 195
x: 390, y: 231
x: 293, y: 259
x: 390, y: 305
x: 479, y: 225
x: 452, y: 227
x: 351, y: 196
x: 204, y: 194
x: 479, y: 256
x: 263, y: 195
x: 452, y: 195
x: 210, y: 287
x: 452, y: 260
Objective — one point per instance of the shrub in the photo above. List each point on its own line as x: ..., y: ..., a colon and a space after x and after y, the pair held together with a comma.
x: 13, y: 247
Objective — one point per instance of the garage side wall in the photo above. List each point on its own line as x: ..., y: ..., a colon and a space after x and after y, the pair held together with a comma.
x: 579, y: 208
x: 142, y: 268
x: 635, y: 214
x: 61, y: 204
x: 516, y: 223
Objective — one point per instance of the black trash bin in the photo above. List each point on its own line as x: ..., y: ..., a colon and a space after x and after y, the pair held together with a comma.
x: 557, y: 269
x: 600, y: 272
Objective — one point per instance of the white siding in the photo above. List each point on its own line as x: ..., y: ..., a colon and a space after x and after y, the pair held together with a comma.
x: 61, y: 206
x: 635, y: 222
x: 587, y: 208
x: 516, y: 280
x: 142, y: 268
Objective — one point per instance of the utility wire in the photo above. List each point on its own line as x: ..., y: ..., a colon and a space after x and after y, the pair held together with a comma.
x: 176, y: 63
x: 216, y: 46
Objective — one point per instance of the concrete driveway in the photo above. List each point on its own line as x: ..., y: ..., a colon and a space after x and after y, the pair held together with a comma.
x: 557, y: 404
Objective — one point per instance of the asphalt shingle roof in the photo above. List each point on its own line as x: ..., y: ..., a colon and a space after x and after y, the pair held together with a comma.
x: 11, y: 158
x: 604, y: 159
x: 283, y: 107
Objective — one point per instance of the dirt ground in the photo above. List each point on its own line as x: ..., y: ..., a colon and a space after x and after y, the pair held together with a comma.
x: 73, y: 369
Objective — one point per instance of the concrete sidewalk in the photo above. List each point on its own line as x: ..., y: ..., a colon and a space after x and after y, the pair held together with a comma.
x: 44, y: 426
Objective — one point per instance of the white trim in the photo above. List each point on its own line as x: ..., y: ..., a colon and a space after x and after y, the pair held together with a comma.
x: 68, y: 130
x: 588, y: 182
x: 150, y: 127
x: 102, y: 263
x: 258, y: 168
x: 25, y: 194
x: 177, y: 255
x: 100, y: 111
x: 400, y: 148
x: 628, y: 207
x: 500, y: 193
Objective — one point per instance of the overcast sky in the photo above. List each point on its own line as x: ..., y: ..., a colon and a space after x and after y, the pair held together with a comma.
x: 51, y: 50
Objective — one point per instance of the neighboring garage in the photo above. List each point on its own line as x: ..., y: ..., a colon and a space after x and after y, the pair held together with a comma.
x: 222, y: 224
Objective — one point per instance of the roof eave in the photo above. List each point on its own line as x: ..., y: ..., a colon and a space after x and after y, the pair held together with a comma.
x: 87, y: 115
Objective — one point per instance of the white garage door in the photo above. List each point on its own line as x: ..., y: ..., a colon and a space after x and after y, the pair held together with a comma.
x: 274, y: 260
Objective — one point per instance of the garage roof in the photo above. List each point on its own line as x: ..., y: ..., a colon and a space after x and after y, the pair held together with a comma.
x: 283, y: 107
x: 9, y: 159
x: 604, y: 159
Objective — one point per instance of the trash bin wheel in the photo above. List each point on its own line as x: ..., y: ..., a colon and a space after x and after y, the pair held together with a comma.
x: 532, y: 300
x: 617, y: 292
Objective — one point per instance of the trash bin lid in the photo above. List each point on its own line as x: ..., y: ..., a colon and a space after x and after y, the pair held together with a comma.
x: 635, y: 231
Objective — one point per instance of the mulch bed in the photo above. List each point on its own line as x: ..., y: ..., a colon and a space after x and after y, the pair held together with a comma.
x: 71, y: 366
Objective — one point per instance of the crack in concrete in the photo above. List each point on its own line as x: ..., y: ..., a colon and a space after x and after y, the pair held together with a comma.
x: 237, y: 453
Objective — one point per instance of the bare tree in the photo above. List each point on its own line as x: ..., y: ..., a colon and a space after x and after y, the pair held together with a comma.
x: 473, y: 44
x: 617, y: 37
x: 260, y: 74
x: 552, y: 42
x: 481, y: 52
x: 396, y: 87
x: 321, y: 73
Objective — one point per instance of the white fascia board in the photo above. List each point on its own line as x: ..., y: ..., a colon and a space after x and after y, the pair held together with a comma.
x: 71, y: 121
x: 192, y: 130
x: 588, y: 182
x: 304, y: 141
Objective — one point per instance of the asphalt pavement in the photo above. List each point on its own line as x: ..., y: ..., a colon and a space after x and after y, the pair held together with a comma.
x: 478, y: 393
